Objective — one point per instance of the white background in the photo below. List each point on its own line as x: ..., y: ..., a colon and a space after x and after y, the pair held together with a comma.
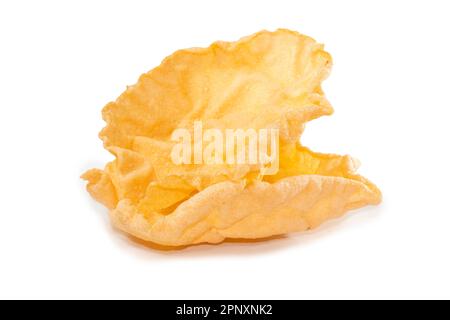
x: 61, y: 61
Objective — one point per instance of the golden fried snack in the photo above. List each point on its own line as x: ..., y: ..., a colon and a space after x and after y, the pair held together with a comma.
x: 268, y: 80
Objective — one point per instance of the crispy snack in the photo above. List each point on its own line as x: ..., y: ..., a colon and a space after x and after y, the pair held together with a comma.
x: 267, y: 80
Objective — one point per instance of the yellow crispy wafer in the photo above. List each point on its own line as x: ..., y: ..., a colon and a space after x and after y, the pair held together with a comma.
x: 267, y: 80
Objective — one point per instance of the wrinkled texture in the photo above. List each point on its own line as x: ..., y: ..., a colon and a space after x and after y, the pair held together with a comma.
x: 267, y: 80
